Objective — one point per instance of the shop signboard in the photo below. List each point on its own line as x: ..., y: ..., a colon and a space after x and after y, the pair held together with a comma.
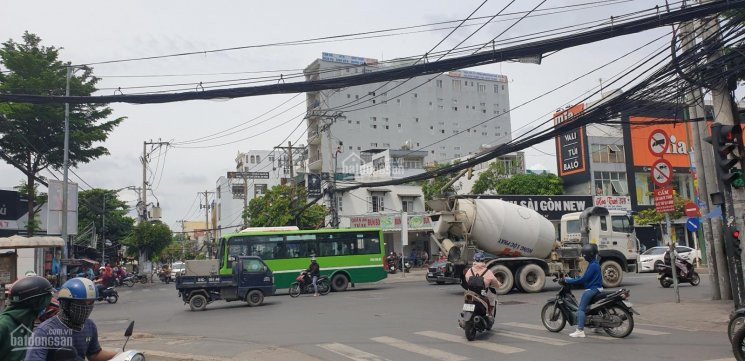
x: 390, y: 222
x: 664, y: 200
x: 570, y: 146
x: 551, y: 207
x: 613, y: 203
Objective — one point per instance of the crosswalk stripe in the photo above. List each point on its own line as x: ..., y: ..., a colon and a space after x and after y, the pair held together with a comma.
x: 525, y: 325
x: 541, y: 339
x: 350, y: 352
x: 426, y: 351
x: 480, y: 344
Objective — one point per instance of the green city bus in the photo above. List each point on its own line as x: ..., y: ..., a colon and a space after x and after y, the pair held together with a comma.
x: 345, y: 255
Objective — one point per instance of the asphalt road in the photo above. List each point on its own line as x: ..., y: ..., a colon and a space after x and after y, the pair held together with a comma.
x: 392, y: 321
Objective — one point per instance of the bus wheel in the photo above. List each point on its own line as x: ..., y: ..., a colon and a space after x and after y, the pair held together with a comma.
x: 339, y: 282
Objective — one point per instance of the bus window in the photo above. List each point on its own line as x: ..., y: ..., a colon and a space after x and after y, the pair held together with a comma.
x: 301, y: 245
x: 221, y: 252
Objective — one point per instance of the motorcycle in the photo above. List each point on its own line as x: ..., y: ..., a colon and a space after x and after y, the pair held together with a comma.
x: 139, y: 277
x: 109, y: 294
x: 736, y: 333
x: 128, y: 281
x: 303, y: 284
x: 609, y: 311
x: 665, y: 273
x: 390, y: 265
x: 69, y: 354
x: 475, y: 316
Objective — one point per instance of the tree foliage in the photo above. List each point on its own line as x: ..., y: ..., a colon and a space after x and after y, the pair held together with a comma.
x: 147, y: 237
x: 91, y: 210
x: 488, y: 179
x: 651, y: 216
x: 180, y: 248
x: 38, y: 199
x: 275, y: 209
x: 32, y: 135
x: 532, y: 184
x: 432, y: 188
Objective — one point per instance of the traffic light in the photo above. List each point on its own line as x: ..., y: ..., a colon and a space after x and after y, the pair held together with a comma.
x: 726, y: 139
x: 736, y: 242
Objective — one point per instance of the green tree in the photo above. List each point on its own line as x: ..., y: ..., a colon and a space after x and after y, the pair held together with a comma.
x: 275, y: 209
x: 488, y: 179
x: 180, y: 248
x: 32, y: 135
x: 432, y: 188
x: 91, y: 210
x: 38, y: 198
x: 148, y: 238
x: 538, y: 184
x: 651, y: 216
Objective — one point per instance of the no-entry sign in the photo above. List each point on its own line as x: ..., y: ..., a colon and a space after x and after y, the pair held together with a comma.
x: 664, y: 200
x: 662, y: 173
x: 657, y: 142
x: 691, y: 209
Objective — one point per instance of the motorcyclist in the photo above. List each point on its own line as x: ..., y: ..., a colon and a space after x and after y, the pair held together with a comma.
x: 314, y: 271
x: 71, y: 326
x: 490, y: 280
x: 29, y: 298
x: 592, y: 279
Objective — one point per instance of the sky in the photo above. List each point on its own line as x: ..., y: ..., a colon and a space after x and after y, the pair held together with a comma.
x: 92, y: 31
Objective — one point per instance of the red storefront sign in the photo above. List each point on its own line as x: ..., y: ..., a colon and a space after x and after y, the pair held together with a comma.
x: 664, y: 200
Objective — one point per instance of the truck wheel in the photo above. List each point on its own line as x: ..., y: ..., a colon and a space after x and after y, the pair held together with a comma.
x: 505, y: 277
x: 339, y: 282
x: 612, y: 273
x: 198, y: 303
x: 531, y: 278
x: 255, y: 298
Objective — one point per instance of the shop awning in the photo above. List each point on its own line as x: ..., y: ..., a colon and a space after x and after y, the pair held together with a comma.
x: 30, y: 242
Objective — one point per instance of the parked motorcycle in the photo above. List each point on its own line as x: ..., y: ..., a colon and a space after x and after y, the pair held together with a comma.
x: 303, y: 284
x: 665, y: 272
x: 390, y: 265
x: 109, y: 294
x: 609, y: 311
x: 128, y: 281
x: 69, y: 354
x: 475, y: 316
x: 139, y: 277
x: 736, y: 333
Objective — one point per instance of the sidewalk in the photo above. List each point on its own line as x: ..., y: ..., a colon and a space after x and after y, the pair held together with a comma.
x: 688, y: 315
x: 415, y: 275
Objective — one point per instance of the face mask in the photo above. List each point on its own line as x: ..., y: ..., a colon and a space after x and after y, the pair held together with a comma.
x: 73, y: 314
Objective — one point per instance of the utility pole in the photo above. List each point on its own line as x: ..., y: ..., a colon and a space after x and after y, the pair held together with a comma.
x: 183, y: 236
x: 291, y: 165
x: 703, y: 163
x: 206, y: 207
x: 65, y: 182
x: 333, y: 203
x: 145, y: 159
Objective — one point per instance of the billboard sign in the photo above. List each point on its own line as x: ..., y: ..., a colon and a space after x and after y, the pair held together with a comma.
x: 248, y: 175
x: 347, y: 59
x: 664, y: 200
x: 642, y: 137
x: 10, y: 202
x: 613, y: 203
x: 390, y: 222
x: 478, y: 75
x: 551, y: 207
x: 54, y: 217
x: 314, y: 185
x: 570, y: 146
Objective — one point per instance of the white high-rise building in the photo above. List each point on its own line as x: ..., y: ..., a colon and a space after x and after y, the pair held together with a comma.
x: 451, y: 106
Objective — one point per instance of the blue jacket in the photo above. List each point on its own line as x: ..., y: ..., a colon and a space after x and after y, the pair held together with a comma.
x: 591, y: 279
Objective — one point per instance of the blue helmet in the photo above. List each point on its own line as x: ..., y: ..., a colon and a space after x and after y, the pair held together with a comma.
x: 78, y: 288
x: 478, y: 256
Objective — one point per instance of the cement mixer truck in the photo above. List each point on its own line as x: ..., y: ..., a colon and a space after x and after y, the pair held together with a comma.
x: 523, y: 243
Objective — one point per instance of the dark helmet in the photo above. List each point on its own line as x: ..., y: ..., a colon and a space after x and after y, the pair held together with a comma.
x: 589, y: 251
x: 30, y: 287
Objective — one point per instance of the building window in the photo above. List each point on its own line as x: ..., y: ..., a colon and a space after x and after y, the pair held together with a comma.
x: 496, y: 89
x: 482, y: 88
x: 407, y: 203
x: 349, y: 96
x: 375, y: 202
x: 253, y: 160
x: 350, y: 147
x: 385, y: 120
x: 386, y: 127
x: 442, y: 131
x: 398, y: 100
x: 374, y: 126
x: 416, y: 120
x: 259, y: 189
x: 356, y: 96
x: 340, y: 202
x: 374, y: 119
x: 456, y: 84
x: 455, y: 109
x: 611, y: 184
x: 607, y: 153
x: 399, y: 125
x: 415, y: 95
x: 439, y: 83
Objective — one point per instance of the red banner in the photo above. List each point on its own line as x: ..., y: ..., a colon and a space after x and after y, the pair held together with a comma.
x: 664, y: 200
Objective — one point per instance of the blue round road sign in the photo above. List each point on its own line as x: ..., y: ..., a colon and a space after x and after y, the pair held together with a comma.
x: 692, y: 224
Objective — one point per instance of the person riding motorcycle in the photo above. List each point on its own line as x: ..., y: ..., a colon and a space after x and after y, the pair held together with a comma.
x: 593, y: 282
x: 29, y: 298
x: 490, y: 280
x: 313, y: 271
x: 71, y: 326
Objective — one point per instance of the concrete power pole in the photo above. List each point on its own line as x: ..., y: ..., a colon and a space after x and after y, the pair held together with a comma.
x: 704, y: 163
x: 206, y: 207
x: 291, y: 165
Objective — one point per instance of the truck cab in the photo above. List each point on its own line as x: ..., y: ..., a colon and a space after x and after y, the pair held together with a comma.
x: 613, y: 233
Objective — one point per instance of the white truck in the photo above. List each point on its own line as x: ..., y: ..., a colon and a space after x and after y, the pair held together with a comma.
x: 524, y: 243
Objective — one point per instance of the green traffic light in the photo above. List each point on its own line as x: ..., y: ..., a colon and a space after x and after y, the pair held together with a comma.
x: 738, y: 181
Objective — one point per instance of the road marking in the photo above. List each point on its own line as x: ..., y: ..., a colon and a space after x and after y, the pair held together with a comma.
x: 541, y: 339
x: 525, y: 325
x: 350, y: 352
x: 480, y: 344
x: 649, y: 332
x: 426, y: 351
